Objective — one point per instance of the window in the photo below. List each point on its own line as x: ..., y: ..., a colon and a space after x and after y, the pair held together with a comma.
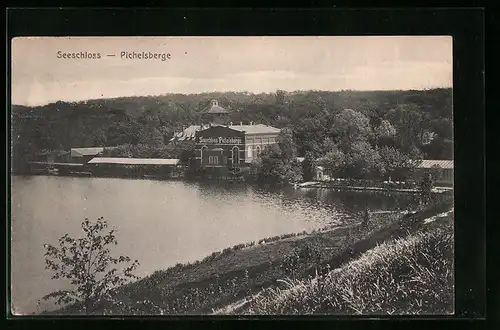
x: 202, y: 151
x: 236, y: 155
x: 224, y: 160
x: 213, y: 159
x: 249, y: 152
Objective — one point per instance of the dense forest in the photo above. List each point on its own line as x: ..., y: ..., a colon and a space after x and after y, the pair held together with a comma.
x: 370, y: 126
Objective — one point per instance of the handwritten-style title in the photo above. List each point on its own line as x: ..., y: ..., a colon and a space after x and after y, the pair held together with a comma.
x: 124, y: 55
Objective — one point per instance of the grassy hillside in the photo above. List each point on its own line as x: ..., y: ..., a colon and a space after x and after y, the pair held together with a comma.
x: 234, y: 275
x: 410, y: 275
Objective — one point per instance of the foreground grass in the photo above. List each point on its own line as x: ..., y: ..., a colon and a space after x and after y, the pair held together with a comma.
x: 236, y: 273
x: 222, y: 277
x: 411, y: 275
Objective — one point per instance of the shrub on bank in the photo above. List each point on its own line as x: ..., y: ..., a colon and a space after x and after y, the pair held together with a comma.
x: 412, y: 275
x: 350, y: 182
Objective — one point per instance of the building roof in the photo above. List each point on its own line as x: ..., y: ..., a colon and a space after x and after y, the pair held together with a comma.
x: 53, y: 152
x: 255, y: 129
x: 58, y: 164
x: 93, y: 151
x: 428, y: 163
x: 216, y: 108
x: 189, y: 133
x: 133, y: 161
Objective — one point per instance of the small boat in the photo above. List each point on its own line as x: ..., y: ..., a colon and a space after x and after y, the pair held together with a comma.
x: 153, y: 176
x: 81, y: 174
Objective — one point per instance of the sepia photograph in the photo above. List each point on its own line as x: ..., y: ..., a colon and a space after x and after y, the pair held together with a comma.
x: 270, y: 175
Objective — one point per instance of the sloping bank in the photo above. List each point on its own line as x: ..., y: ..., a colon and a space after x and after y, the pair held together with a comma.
x: 404, y: 276
x: 227, y: 278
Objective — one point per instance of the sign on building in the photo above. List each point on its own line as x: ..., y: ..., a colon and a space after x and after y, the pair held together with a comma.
x: 221, y: 140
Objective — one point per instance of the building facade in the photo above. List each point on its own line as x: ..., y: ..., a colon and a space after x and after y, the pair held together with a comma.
x: 221, y: 145
x: 233, y: 145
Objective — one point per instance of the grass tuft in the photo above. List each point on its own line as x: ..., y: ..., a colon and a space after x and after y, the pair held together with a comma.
x: 411, y: 275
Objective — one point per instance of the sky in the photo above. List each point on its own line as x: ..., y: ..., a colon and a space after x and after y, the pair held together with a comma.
x: 218, y: 64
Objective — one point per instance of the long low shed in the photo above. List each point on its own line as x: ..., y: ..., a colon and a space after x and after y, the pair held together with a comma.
x: 133, y: 161
x: 442, y: 170
x: 444, y: 164
x: 57, y: 164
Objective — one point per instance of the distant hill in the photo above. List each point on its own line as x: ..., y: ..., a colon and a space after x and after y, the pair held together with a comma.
x: 135, y: 105
x: 61, y: 125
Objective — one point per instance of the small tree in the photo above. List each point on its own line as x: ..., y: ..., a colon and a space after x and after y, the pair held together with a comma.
x: 362, y: 160
x: 308, y: 167
x: 278, y: 163
x: 87, y: 263
x: 437, y: 172
x: 426, y: 185
x: 187, y: 154
x: 366, y: 218
x: 385, y: 130
x: 333, y: 161
x: 280, y: 97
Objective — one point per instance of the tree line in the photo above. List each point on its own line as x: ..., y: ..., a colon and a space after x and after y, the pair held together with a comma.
x: 355, y: 133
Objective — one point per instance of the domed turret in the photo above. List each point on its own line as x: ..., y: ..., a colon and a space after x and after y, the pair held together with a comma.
x: 216, y: 108
x: 216, y: 114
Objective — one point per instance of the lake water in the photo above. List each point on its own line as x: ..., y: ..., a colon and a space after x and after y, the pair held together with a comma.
x: 160, y: 223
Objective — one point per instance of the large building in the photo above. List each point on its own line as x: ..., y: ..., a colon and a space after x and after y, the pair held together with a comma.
x: 233, y: 145
x: 221, y: 144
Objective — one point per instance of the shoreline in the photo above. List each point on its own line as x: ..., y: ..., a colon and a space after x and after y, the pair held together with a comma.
x: 322, y: 185
x: 303, y: 185
x: 220, y: 269
x: 226, y: 277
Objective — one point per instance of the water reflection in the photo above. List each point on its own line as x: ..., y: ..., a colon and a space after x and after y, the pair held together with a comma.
x: 161, y: 223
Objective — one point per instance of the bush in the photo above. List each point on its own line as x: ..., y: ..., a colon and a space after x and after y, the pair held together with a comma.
x: 87, y: 263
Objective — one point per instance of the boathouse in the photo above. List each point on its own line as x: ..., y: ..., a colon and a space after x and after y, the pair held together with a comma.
x: 441, y: 171
x: 83, y: 155
x: 53, y: 156
x: 53, y: 161
x: 134, y: 166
